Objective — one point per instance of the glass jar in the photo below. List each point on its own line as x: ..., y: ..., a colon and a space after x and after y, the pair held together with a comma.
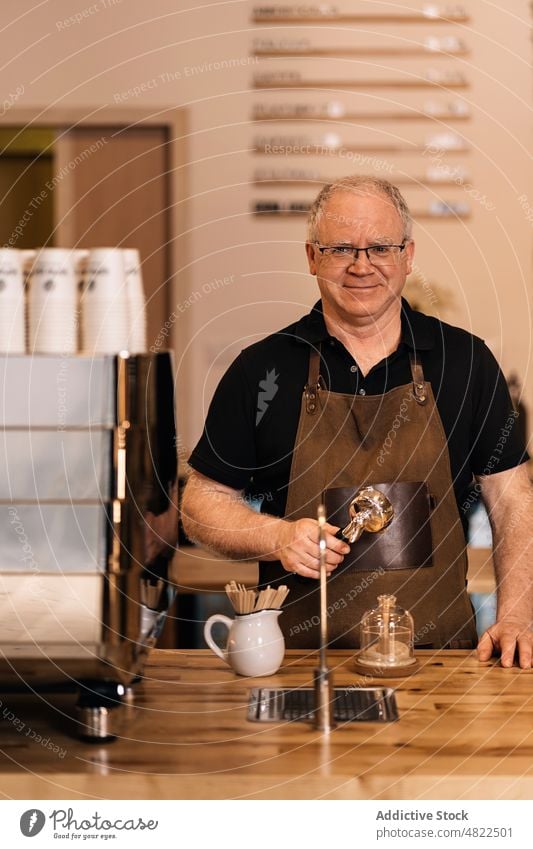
x: 387, y: 635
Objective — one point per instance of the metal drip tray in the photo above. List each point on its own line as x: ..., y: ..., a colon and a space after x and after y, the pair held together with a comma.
x: 357, y: 704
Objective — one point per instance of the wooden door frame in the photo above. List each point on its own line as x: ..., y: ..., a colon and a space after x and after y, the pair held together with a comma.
x: 171, y: 119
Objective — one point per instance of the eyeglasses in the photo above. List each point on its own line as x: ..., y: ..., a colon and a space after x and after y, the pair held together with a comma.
x: 375, y: 254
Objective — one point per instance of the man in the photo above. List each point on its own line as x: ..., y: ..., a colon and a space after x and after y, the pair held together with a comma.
x: 365, y: 391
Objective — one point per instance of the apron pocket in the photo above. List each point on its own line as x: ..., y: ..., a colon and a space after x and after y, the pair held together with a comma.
x: 405, y: 544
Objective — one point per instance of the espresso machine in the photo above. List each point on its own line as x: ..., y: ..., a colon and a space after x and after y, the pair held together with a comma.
x: 88, y: 499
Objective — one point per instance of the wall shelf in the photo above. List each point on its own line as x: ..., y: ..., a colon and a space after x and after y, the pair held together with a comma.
x: 398, y: 181
x: 325, y: 52
x: 316, y: 149
x: 414, y: 18
x: 417, y: 215
x: 360, y: 116
x: 297, y: 84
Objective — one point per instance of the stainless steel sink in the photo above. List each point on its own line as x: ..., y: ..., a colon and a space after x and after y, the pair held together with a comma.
x: 350, y: 704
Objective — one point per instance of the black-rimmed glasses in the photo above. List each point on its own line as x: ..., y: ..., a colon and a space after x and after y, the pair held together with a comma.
x: 375, y: 254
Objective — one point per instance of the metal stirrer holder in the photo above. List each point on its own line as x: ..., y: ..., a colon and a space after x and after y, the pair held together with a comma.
x: 323, y: 679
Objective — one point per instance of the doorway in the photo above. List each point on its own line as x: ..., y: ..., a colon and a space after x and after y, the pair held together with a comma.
x: 26, y: 166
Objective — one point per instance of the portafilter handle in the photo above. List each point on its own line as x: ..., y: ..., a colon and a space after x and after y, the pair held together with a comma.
x: 370, y: 510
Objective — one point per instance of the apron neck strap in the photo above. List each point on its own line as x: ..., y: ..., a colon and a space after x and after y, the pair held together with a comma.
x: 419, y: 386
x: 315, y: 355
x: 314, y: 381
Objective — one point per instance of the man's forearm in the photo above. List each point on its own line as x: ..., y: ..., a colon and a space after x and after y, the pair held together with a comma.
x: 510, y: 510
x: 222, y: 521
x: 513, y: 559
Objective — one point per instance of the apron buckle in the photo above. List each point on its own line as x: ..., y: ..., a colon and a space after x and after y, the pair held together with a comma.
x: 311, y: 396
x: 419, y: 391
x: 419, y: 386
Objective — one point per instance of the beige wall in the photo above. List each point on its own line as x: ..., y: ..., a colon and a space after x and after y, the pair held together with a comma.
x: 238, y: 277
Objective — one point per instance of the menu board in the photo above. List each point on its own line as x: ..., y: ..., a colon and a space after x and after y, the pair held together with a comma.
x: 376, y: 88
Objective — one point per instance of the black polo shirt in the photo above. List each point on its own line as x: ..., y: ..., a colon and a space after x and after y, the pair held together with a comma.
x: 251, y: 425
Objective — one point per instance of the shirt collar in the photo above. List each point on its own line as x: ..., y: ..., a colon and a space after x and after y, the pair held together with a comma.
x: 418, y: 332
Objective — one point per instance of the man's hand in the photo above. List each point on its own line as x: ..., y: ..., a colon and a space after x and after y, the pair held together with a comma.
x: 299, y: 551
x: 217, y: 516
x: 507, y: 637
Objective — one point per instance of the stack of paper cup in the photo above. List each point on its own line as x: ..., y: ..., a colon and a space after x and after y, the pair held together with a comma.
x: 136, y: 301
x: 12, y: 335
x: 104, y: 303
x: 53, y: 303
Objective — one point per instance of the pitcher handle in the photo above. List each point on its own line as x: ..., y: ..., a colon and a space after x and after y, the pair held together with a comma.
x: 225, y: 620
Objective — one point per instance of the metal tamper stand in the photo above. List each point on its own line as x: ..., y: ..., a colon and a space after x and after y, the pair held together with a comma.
x: 323, y: 678
x: 370, y: 510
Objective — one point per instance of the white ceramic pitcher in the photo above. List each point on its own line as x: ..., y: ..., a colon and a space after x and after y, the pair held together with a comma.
x: 255, y: 643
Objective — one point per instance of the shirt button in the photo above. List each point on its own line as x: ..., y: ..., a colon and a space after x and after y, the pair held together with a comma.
x: 362, y: 392
x: 353, y: 369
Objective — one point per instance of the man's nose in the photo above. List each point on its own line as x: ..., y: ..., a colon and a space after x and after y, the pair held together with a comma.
x: 361, y: 263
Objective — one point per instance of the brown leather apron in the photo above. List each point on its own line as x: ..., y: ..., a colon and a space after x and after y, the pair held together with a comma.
x: 347, y: 441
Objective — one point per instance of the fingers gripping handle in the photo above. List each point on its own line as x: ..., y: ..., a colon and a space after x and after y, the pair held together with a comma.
x: 351, y: 532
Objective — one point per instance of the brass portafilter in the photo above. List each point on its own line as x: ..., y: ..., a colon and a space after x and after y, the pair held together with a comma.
x: 370, y: 510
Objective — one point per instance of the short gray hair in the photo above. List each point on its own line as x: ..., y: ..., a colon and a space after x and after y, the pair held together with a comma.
x: 356, y: 184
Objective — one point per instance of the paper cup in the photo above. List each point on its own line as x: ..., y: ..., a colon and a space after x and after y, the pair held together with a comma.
x: 52, y: 276
x: 12, y: 302
x: 136, y: 301
x: 11, y: 274
x: 104, y: 327
x: 133, y: 272
x: 104, y: 276
x: 53, y: 327
x: 104, y: 303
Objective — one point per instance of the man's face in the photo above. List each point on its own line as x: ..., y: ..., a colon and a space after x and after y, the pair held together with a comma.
x: 359, y: 290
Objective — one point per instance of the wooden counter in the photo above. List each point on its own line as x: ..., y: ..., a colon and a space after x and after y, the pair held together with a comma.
x: 465, y: 732
x: 194, y: 569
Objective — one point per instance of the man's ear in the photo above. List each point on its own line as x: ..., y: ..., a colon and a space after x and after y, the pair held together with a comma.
x: 310, y: 251
x: 409, y: 253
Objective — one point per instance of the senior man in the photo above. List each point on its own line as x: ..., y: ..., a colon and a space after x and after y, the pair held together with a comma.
x: 366, y: 391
